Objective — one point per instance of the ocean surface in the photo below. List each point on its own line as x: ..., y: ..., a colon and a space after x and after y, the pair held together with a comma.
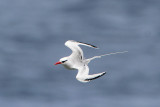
x: 32, y: 37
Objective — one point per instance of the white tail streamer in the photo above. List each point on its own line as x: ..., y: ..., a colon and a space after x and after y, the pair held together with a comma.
x: 114, y: 53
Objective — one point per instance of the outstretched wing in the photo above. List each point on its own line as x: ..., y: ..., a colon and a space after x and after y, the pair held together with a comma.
x: 86, y: 44
x: 83, y: 74
x: 94, y: 76
x: 76, y: 50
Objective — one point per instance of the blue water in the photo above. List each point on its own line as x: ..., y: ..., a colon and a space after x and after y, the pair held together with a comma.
x: 32, y: 36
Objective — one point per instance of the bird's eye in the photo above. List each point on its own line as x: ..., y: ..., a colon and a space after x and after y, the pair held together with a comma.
x: 64, y: 61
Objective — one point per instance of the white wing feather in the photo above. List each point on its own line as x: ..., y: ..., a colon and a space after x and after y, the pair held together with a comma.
x: 83, y: 74
x: 76, y: 50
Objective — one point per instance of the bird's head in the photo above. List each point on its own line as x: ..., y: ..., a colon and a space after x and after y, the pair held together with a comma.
x: 62, y: 61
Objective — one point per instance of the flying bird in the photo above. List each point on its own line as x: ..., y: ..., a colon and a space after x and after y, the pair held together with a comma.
x: 76, y: 61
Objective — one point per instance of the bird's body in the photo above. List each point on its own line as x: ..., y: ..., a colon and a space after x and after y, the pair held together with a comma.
x: 77, y: 61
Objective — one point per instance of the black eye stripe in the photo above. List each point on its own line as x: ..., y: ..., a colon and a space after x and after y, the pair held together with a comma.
x: 64, y: 61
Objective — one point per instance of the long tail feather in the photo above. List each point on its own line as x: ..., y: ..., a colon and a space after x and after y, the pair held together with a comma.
x: 114, y: 53
x: 89, y: 59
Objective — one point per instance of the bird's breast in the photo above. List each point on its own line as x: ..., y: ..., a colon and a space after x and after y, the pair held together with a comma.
x: 69, y: 66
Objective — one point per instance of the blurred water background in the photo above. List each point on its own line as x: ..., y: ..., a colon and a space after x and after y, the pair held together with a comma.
x: 32, y: 36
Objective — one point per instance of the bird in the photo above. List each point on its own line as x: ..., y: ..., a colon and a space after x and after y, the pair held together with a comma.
x: 76, y: 61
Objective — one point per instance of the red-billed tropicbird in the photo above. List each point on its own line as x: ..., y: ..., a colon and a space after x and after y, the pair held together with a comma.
x: 77, y: 61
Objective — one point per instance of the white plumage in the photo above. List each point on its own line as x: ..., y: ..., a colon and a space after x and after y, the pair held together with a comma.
x: 77, y: 61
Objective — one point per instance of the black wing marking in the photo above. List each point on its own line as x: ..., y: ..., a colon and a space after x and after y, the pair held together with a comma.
x: 89, y: 79
x: 88, y: 44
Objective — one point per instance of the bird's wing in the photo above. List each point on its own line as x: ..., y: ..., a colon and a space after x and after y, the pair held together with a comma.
x: 83, y: 74
x: 76, y: 50
x: 86, y: 44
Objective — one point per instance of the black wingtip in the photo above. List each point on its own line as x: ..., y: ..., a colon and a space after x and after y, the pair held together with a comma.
x: 89, y: 45
x: 95, y: 77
